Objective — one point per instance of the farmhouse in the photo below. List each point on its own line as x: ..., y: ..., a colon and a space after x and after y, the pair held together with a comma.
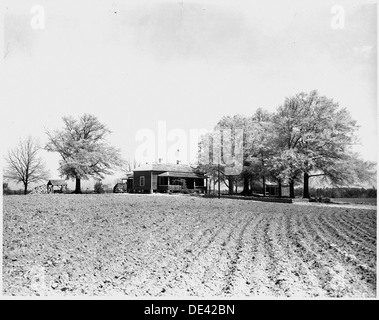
x: 54, y: 186
x: 159, y: 177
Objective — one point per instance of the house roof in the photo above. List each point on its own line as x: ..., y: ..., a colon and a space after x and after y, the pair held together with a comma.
x: 165, y: 167
x: 181, y: 175
x: 272, y: 184
x: 57, y: 183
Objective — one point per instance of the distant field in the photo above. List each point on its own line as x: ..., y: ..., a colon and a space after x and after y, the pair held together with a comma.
x: 355, y: 200
x: 182, y: 246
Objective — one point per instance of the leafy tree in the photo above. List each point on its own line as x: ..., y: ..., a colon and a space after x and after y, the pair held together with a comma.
x: 234, y: 124
x: 259, y: 149
x: 221, y: 151
x: 276, y: 170
x: 24, y: 165
x: 84, y: 151
x: 98, y: 187
x: 263, y: 150
x: 317, y: 136
x: 6, y: 189
x: 233, y: 134
x: 208, y: 158
x: 371, y: 193
x: 254, y: 150
x: 262, y: 115
x: 350, y: 169
x: 308, y: 136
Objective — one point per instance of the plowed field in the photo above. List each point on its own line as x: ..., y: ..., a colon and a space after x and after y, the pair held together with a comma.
x: 183, y: 246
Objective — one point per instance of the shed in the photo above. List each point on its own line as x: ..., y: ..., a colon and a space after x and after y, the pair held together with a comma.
x: 273, y: 190
x: 56, y: 186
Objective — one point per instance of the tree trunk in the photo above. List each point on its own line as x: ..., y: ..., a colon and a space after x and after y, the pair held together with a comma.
x: 264, y: 186
x: 280, y: 189
x: 25, y: 188
x: 219, y: 182
x: 306, y: 186
x: 246, y: 190
x: 231, y: 186
x: 292, y: 189
x: 77, y: 186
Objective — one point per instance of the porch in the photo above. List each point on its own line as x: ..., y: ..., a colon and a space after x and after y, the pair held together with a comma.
x: 177, y: 182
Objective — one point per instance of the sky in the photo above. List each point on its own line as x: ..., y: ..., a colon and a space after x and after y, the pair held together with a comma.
x: 181, y: 65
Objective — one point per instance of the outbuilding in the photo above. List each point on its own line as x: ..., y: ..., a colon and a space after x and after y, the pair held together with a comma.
x: 276, y: 190
x: 56, y: 186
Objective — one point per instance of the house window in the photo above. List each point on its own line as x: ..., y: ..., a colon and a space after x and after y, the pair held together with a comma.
x: 142, y: 181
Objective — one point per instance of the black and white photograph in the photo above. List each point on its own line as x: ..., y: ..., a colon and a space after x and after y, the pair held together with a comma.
x: 189, y: 150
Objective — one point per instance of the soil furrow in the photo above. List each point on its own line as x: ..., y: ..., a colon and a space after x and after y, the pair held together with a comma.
x: 215, y: 272
x: 254, y: 261
x: 234, y: 259
x: 368, y: 224
x: 342, y: 230
x: 278, y: 268
x: 183, y: 247
x: 337, y: 281
x: 356, y: 230
x: 346, y: 265
x: 302, y: 246
x: 355, y: 251
x: 306, y: 283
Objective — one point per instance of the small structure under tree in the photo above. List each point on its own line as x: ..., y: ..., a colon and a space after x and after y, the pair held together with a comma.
x: 56, y: 186
x: 276, y: 190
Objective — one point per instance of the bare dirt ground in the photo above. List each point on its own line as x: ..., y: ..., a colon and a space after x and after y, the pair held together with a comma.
x: 184, y: 246
x: 367, y: 201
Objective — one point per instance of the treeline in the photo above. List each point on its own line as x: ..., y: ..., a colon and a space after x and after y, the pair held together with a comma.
x: 8, y: 191
x: 98, y: 188
x: 307, y: 136
x: 83, y: 149
x: 339, y: 192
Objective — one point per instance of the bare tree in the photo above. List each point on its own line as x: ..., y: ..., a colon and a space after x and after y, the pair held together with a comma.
x: 129, y: 166
x: 24, y: 165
